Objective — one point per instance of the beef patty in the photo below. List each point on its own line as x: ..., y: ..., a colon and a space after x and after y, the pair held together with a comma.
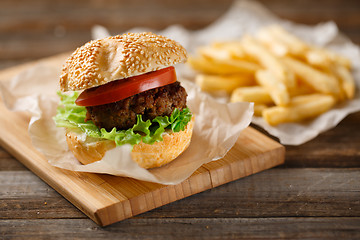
x: 154, y: 102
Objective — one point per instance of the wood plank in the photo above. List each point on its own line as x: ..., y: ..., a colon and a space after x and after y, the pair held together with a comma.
x: 9, y: 163
x: 95, y: 194
x: 335, y: 148
x: 72, y: 17
x: 206, y: 216
x: 221, y: 172
x: 39, y: 208
x: 107, y: 199
x: 192, y: 14
x: 186, y: 228
x: 276, y: 193
x: 338, y: 147
x: 279, y: 192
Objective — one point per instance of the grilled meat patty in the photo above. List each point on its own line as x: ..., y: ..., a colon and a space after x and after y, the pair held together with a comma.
x: 150, y: 104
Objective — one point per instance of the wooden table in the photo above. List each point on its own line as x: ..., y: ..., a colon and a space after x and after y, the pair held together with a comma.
x: 315, y: 194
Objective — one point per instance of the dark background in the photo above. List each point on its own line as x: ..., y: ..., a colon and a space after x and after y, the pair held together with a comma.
x: 315, y: 194
x: 39, y: 28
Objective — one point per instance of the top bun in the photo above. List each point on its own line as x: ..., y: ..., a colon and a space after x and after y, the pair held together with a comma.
x: 118, y: 57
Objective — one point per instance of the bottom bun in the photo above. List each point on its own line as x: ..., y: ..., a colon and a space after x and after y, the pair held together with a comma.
x: 146, y: 155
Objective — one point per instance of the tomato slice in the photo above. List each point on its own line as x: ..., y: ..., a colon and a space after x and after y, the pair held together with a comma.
x: 120, y: 89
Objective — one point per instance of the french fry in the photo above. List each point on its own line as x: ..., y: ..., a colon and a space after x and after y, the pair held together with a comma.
x: 255, y: 94
x: 318, y: 80
x: 269, y: 61
x: 228, y: 83
x: 216, y: 66
x: 204, y: 65
x: 274, y: 86
x: 238, y: 66
x: 321, y: 57
x: 294, y: 45
x: 344, y: 61
x: 265, y: 37
x: 259, y: 108
x: 234, y: 48
x: 302, y: 88
x: 214, y: 53
x: 346, y: 80
x: 316, y: 57
x: 304, y: 99
x: 287, y: 79
x: 337, y: 58
x: 300, y: 108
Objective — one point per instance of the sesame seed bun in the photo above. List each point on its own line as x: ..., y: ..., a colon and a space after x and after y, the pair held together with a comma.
x: 115, y: 58
x: 147, y: 156
x: 118, y: 57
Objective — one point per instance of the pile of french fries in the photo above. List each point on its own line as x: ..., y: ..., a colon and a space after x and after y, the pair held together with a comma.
x: 287, y: 79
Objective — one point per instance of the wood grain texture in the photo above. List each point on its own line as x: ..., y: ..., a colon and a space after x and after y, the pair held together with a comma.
x: 185, y: 228
x: 107, y: 199
x: 338, y: 147
x: 43, y: 28
x: 243, y: 209
x: 278, y: 192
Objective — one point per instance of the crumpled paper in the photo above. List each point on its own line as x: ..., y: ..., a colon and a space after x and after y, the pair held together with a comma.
x: 217, y: 127
x: 248, y: 17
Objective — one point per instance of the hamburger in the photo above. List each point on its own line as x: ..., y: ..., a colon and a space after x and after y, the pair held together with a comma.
x: 123, y: 90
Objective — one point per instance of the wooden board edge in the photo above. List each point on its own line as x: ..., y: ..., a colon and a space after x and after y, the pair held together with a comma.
x: 227, y: 169
x: 200, y: 181
x: 208, y: 178
x: 232, y: 171
x: 196, y: 183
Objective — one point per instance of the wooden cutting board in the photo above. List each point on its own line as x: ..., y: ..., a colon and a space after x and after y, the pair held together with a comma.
x: 107, y: 199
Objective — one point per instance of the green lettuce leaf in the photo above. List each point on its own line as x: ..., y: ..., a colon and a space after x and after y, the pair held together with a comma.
x: 72, y: 116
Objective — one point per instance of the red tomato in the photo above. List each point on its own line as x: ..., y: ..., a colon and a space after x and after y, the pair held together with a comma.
x: 120, y: 89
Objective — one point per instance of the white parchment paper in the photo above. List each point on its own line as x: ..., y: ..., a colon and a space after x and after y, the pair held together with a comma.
x: 248, y: 17
x: 217, y: 127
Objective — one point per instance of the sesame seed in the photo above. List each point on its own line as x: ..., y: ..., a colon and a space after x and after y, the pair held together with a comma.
x: 140, y: 52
